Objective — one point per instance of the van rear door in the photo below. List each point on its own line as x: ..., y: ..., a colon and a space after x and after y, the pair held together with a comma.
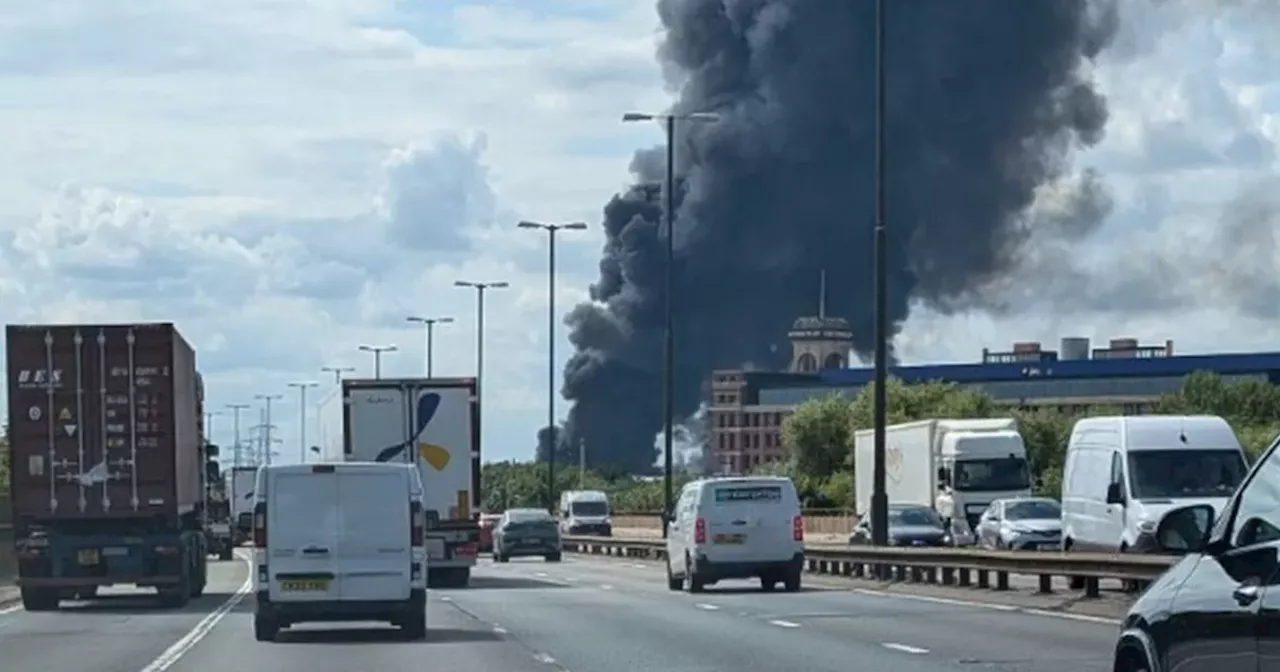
x: 303, y: 535
x: 749, y: 521
x: 375, y: 554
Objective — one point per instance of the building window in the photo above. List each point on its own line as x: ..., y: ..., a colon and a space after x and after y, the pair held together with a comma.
x: 807, y: 363
x: 833, y: 361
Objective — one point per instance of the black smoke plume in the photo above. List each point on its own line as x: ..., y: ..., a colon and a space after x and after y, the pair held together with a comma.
x: 987, y: 99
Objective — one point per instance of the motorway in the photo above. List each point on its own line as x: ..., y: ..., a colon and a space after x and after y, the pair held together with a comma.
x: 583, y: 615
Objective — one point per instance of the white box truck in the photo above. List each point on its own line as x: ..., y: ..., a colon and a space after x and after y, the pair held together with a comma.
x: 956, y: 466
x: 435, y: 424
x: 240, y: 482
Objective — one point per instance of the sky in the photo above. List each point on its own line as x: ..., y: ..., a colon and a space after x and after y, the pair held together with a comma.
x: 290, y: 180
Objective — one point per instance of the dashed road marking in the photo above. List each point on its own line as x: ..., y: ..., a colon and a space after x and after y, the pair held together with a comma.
x: 639, y: 565
x: 497, y: 629
x: 540, y: 575
x: 171, y: 655
x: 606, y: 586
x: 784, y: 624
x: 544, y: 658
x: 905, y: 648
x: 706, y: 607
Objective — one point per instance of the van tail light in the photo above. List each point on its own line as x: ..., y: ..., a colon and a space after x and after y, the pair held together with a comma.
x: 797, y: 528
x: 417, y: 525
x: 260, y: 524
x: 700, y: 531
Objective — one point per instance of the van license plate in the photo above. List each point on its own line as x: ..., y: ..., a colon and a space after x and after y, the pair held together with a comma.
x: 731, y: 539
x: 87, y: 556
x: 307, y: 586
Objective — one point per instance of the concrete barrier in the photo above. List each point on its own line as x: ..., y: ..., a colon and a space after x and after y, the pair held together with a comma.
x: 829, y: 526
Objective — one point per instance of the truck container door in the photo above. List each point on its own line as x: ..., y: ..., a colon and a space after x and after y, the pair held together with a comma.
x: 303, y: 534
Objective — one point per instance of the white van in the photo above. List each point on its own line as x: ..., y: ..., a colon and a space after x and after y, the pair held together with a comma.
x: 339, y: 542
x: 585, y: 512
x: 736, y: 528
x: 1122, y: 474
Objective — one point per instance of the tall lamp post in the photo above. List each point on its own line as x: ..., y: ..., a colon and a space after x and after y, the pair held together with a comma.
x: 668, y: 341
x: 377, y: 351
x: 302, y: 417
x: 879, y: 497
x: 551, y: 230
x: 430, y: 324
x: 337, y: 372
x: 480, y: 288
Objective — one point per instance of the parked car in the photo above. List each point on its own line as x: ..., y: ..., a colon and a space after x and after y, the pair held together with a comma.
x: 1021, y: 523
x: 909, y: 525
x: 526, y: 532
x: 1215, y: 607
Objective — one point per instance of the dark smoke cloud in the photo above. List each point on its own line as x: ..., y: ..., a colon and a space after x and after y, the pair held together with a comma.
x: 987, y: 101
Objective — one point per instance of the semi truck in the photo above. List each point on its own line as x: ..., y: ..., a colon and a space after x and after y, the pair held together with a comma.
x: 958, y: 467
x: 108, y: 461
x: 240, y: 482
x: 433, y: 423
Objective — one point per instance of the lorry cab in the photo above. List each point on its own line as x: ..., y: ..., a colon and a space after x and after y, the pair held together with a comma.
x: 1122, y: 474
x: 980, y: 461
x: 339, y: 542
x: 585, y: 512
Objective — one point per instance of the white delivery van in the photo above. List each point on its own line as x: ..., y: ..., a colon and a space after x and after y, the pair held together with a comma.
x: 1122, y: 474
x: 585, y: 512
x: 736, y: 528
x: 339, y: 542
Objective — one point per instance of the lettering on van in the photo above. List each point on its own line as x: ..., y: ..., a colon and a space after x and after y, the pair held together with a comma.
x: 764, y: 493
x: 38, y: 378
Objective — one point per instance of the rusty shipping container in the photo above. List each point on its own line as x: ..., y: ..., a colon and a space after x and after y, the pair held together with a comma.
x: 103, y: 421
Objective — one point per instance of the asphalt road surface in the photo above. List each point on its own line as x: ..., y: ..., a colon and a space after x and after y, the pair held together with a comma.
x: 581, y: 615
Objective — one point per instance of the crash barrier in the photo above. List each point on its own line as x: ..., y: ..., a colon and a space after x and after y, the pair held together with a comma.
x: 962, y: 567
x: 816, y: 521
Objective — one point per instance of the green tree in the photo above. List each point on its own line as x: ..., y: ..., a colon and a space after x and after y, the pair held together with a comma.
x: 1251, y: 406
x: 817, y: 436
x: 907, y: 403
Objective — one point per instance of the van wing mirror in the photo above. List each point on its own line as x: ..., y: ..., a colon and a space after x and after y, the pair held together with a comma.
x: 1114, y: 495
x: 1185, y: 530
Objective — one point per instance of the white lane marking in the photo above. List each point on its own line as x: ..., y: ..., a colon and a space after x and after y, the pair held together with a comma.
x: 639, y: 565
x: 541, y: 575
x: 445, y: 598
x: 706, y: 607
x: 1084, y: 618
x: 784, y: 624
x: 905, y: 648
x: 498, y: 629
x: 11, y: 610
x: 544, y: 658
x: 172, y: 654
x: 606, y: 586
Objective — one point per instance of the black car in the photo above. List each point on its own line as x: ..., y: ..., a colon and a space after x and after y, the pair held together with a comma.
x: 1218, y: 607
x: 909, y: 525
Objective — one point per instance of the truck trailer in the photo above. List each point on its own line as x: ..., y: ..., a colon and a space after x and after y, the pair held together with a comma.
x: 957, y: 467
x: 240, y: 482
x: 107, y: 461
x: 435, y: 424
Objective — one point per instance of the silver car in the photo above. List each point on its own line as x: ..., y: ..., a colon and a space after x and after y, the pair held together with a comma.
x: 1022, y: 523
x: 526, y: 532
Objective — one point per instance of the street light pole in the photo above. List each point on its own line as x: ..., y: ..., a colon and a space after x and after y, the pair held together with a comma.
x: 208, y: 425
x: 235, y: 413
x: 668, y: 336
x: 377, y: 351
x: 337, y: 372
x: 551, y: 230
x: 480, y: 288
x: 266, y: 423
x: 879, y: 496
x: 302, y: 417
x: 430, y: 324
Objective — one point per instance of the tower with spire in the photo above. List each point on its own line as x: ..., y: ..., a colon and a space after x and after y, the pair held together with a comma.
x: 820, y: 341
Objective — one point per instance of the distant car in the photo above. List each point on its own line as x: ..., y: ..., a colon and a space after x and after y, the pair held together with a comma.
x: 1021, y: 523
x: 909, y: 525
x: 487, y: 522
x: 526, y: 532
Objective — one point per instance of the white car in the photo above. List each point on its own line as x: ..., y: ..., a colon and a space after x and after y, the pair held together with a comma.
x: 339, y: 542
x: 736, y: 528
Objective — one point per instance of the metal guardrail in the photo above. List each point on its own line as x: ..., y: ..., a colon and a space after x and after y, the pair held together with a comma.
x: 944, y: 566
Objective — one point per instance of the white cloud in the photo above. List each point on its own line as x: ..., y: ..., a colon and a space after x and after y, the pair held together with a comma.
x: 289, y: 180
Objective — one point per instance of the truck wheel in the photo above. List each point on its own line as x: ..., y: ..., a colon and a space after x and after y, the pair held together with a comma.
x: 414, y: 626
x: 40, y: 599
x: 553, y: 557
x: 791, y: 583
x: 265, y: 627
x: 201, y: 576
x: 226, y: 552
x: 176, y: 596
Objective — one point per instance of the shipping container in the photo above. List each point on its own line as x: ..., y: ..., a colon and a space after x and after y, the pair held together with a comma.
x: 104, y: 422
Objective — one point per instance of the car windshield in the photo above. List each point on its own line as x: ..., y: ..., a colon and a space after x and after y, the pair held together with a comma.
x: 590, y: 508
x: 1001, y: 473
x: 1168, y: 474
x: 915, y: 517
x: 528, y: 516
x: 1032, y: 509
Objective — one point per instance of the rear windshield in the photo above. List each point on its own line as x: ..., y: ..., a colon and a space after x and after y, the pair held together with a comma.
x: 741, y: 494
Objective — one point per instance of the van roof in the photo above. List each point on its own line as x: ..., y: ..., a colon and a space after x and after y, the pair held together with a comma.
x: 586, y: 495
x: 742, y: 480
x: 1153, y: 432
